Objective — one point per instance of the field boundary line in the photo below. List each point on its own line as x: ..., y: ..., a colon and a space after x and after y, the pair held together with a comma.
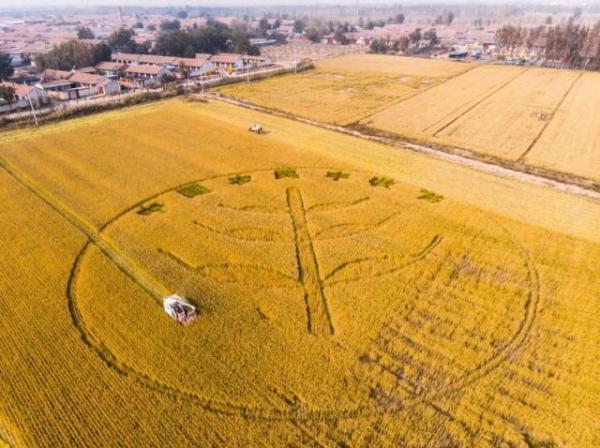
x: 521, y: 158
x: 556, y: 180
x: 393, y: 103
x: 478, y: 103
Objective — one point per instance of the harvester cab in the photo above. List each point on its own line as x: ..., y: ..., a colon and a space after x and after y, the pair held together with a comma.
x: 179, y: 309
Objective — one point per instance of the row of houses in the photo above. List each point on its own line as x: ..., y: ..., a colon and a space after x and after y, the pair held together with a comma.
x: 59, y: 85
x: 200, y: 65
x: 124, y: 70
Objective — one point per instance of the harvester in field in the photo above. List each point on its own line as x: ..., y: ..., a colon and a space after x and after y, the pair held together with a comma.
x: 256, y: 128
x: 179, y: 309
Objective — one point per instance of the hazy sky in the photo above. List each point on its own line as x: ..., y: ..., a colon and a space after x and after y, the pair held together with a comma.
x: 23, y: 5
x: 82, y: 3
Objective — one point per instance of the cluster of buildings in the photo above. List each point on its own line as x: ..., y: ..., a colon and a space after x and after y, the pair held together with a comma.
x: 136, y: 70
x: 124, y: 71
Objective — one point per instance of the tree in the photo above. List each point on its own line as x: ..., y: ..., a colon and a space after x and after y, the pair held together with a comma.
x: 415, y: 37
x: 6, y: 68
x: 181, y: 14
x: 340, y: 37
x: 122, y: 40
x: 299, y: 26
x: 84, y: 32
x: 7, y: 94
x: 431, y: 36
x: 138, y: 25
x: 314, y: 34
x: 398, y: 18
x: 239, y: 38
x: 263, y: 26
x: 172, y: 43
x: 375, y: 46
x: 403, y: 44
x: 67, y: 55
x: 151, y: 27
x: 549, y: 20
x: 253, y: 50
x: 169, y: 25
x: 102, y: 52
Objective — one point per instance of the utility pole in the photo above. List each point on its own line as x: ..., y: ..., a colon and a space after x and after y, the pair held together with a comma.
x: 32, y: 111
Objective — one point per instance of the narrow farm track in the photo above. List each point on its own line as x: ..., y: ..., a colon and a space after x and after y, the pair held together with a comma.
x: 564, y: 183
x: 156, y: 289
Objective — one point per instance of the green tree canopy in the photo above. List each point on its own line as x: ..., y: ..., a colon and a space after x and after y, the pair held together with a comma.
x: 84, y: 32
x: 6, y: 68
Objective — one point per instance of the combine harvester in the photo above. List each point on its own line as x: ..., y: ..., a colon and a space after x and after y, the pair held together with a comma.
x: 256, y: 128
x: 174, y: 305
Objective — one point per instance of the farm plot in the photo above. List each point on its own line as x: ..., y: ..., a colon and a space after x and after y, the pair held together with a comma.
x: 347, y: 294
x: 422, y: 116
x: 571, y: 142
x: 342, y: 90
x: 509, y: 121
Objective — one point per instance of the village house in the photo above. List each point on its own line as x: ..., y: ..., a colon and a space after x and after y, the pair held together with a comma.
x: 64, y: 85
x: 111, y: 70
x: 227, y: 62
x: 23, y: 95
x: 146, y: 75
x: 198, y: 66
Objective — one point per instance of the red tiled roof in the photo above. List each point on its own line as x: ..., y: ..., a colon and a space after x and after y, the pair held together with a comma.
x: 20, y: 89
x: 115, y: 66
x: 225, y: 58
x: 191, y: 62
x: 85, y: 78
x: 144, y: 69
x: 50, y: 74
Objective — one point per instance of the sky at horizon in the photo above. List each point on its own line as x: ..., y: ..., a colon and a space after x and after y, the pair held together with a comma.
x: 29, y: 4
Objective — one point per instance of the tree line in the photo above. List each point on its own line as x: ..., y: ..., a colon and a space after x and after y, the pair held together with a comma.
x: 403, y: 43
x: 572, y: 44
x: 213, y: 37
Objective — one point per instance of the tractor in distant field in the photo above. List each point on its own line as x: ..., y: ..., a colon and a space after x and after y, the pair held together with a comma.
x: 256, y: 128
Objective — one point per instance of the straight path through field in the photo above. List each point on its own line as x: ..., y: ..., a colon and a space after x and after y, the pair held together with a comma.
x: 319, y: 319
x: 129, y: 267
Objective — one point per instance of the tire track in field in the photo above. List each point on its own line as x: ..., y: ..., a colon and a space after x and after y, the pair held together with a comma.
x: 521, y: 158
x: 477, y: 103
x: 515, y: 343
x: 319, y: 317
x: 125, y: 264
x: 277, y: 414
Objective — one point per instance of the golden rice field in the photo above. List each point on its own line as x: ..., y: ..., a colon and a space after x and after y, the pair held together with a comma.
x: 342, y: 90
x: 541, y: 117
x: 349, y: 294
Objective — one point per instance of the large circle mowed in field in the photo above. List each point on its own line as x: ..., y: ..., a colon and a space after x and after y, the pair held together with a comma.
x: 315, y: 288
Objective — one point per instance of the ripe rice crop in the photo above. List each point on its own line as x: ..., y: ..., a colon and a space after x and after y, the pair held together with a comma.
x: 342, y: 90
x: 347, y: 294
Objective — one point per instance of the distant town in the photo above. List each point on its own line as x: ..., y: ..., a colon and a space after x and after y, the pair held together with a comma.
x: 54, y: 59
